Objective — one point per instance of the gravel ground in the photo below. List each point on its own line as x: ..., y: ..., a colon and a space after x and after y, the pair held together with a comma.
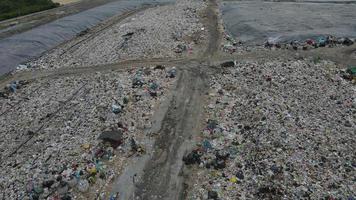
x: 64, y: 118
x: 278, y: 130
x: 165, y: 31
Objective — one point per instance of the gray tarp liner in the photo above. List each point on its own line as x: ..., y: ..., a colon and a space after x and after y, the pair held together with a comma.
x: 22, y: 47
x: 256, y: 21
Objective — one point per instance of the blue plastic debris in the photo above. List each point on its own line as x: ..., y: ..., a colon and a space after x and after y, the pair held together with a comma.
x: 172, y: 73
x: 321, y: 40
x: 207, y: 145
x: 116, y: 108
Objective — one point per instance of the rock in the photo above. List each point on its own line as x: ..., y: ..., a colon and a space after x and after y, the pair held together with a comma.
x: 213, y: 195
x: 240, y: 175
x: 63, y: 188
x: 347, y: 42
x: 160, y: 67
x: 192, y: 158
x: 48, y: 183
x: 114, y: 137
x: 231, y: 63
x: 212, y: 124
x: 134, y: 146
x: 219, y: 164
x: 66, y: 197
x: 276, y: 169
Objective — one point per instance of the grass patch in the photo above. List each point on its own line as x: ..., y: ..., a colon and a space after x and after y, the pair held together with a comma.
x: 14, y: 8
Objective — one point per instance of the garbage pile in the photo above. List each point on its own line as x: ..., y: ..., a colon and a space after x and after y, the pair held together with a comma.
x: 349, y: 74
x: 12, y: 88
x: 231, y: 45
x: 321, y: 41
x: 69, y: 137
x: 171, y: 31
x: 277, y: 130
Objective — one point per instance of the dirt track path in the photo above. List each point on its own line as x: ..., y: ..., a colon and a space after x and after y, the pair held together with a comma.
x: 163, y: 178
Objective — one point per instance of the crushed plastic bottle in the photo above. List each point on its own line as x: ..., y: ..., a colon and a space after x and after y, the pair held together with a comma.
x: 138, y: 79
x: 172, y: 73
x: 116, y: 108
x: 233, y: 179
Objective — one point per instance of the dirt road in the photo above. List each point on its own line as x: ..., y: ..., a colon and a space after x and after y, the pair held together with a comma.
x: 162, y: 178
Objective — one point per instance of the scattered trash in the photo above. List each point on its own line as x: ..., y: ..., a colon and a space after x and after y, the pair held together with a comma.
x: 48, y: 183
x: 233, y: 179
x: 15, y: 85
x: 229, y: 48
x: 138, y: 79
x: 83, y: 185
x: 349, y: 74
x: 128, y: 35
x: 159, y: 67
x: 180, y: 48
x: 153, y: 88
x: 116, y: 108
x: 91, y: 169
x: 172, y: 73
x: 22, y: 67
x: 114, y: 197
x: 88, y: 158
x: 84, y: 32
x: 125, y: 100
x: 192, y: 158
x: 321, y: 41
x: 347, y: 41
x: 68, y: 147
x: 250, y: 157
x: 207, y: 145
x: 86, y: 146
x: 212, y: 124
x: 4, y: 94
x: 352, y: 71
x: 310, y: 42
x: 240, y: 175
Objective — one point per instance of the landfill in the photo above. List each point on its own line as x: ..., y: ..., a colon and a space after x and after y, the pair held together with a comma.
x: 277, y: 130
x: 24, y: 46
x: 165, y: 103
x: 165, y: 31
x: 70, y: 137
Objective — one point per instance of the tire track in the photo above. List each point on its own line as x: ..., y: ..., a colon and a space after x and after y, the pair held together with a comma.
x: 163, y: 178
